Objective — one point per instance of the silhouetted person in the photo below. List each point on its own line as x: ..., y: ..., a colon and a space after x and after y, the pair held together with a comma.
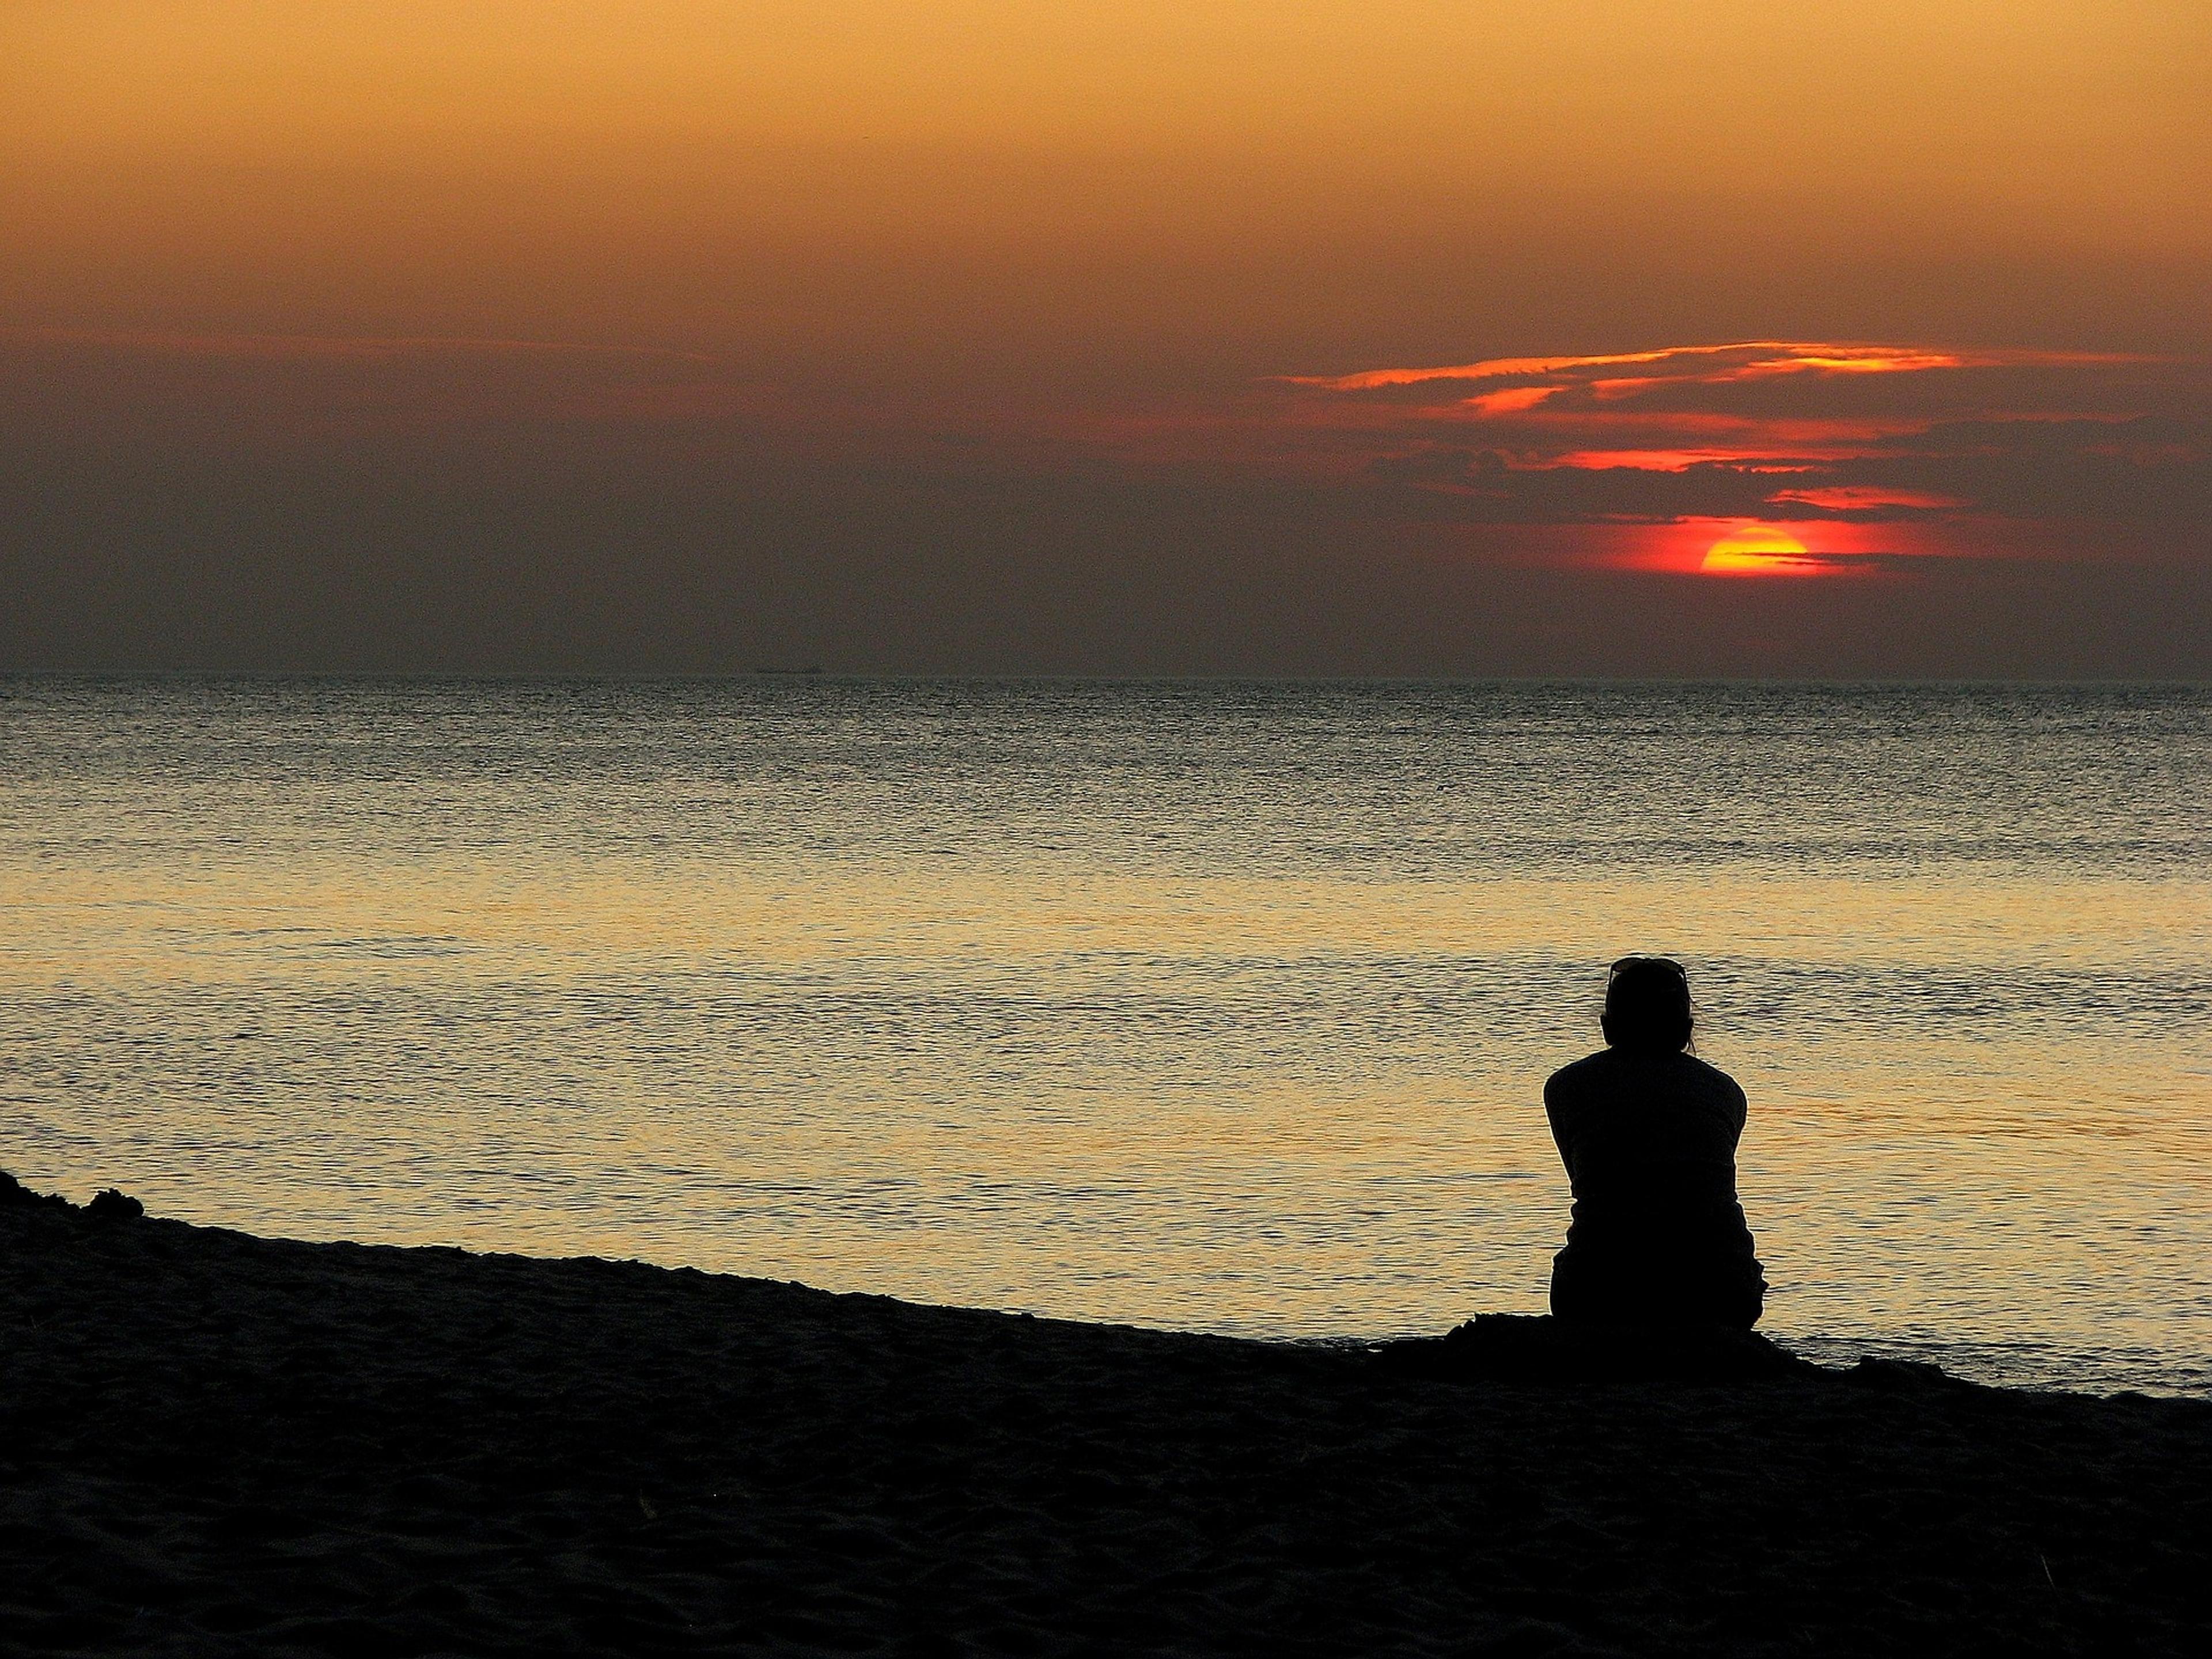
x: 1648, y: 1132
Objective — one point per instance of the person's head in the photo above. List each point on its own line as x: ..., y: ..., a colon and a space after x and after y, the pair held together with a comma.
x: 1647, y: 1005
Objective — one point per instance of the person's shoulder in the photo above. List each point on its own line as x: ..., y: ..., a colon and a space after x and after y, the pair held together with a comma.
x: 1713, y: 1080
x: 1585, y: 1074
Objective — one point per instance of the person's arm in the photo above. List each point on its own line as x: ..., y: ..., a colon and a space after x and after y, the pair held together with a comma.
x: 1726, y: 1108
x: 1560, y: 1114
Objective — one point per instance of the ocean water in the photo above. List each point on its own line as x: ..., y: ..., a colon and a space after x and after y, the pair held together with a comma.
x: 1214, y: 1005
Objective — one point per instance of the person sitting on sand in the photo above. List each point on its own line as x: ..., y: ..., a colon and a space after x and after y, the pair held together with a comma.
x: 1648, y: 1132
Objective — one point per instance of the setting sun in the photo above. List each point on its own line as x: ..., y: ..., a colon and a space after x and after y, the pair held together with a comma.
x: 1758, y: 550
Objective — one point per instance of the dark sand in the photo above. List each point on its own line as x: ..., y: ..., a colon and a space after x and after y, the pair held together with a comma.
x: 213, y: 1443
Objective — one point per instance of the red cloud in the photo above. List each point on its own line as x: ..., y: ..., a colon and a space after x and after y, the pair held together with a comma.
x: 1835, y: 436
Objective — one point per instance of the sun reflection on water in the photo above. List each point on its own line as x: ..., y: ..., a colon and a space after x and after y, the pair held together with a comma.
x: 1212, y: 1012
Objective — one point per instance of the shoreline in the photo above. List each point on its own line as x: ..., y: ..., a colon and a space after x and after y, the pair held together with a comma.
x: 211, y: 1439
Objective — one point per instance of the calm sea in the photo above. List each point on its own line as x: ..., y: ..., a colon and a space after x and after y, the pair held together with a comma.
x: 1204, y: 1004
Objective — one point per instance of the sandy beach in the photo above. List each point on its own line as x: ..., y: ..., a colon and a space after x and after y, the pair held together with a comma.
x: 214, y: 1442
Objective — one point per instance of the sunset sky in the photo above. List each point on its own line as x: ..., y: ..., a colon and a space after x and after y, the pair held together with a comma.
x: 1397, y: 336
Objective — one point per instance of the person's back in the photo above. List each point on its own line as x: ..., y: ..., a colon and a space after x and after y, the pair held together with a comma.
x: 1648, y: 1134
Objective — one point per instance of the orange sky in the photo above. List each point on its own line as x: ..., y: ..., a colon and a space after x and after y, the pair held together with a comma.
x: 1044, y: 272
